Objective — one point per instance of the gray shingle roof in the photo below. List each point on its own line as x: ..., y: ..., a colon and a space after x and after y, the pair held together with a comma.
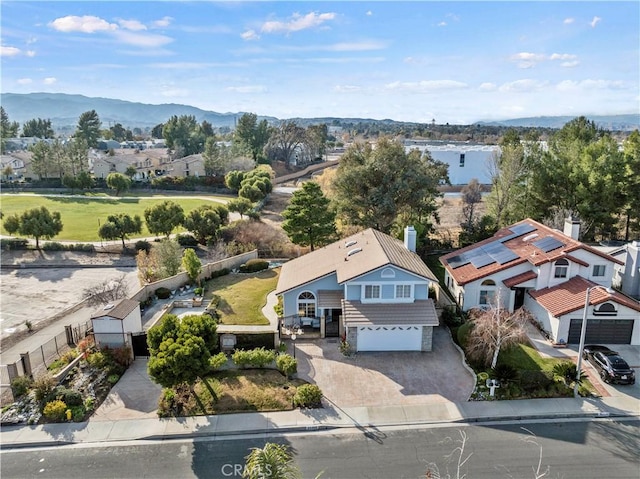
x: 119, y: 311
x: 422, y: 312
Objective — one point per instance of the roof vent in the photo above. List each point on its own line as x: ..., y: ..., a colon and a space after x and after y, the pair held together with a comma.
x: 530, y: 237
x: 350, y: 243
x: 107, y: 307
x: 353, y: 251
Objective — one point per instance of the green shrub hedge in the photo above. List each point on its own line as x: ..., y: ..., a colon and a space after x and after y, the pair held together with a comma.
x: 257, y: 358
x: 10, y: 244
x: 308, y: 395
x: 163, y: 293
x: 287, y: 364
x: 254, y: 265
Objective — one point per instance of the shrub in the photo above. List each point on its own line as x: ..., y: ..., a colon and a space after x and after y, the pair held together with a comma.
x: 86, y: 344
x: 89, y: 403
x: 451, y: 317
x: 482, y: 378
x: 20, y: 385
x: 241, y: 358
x: 185, y: 240
x: 218, y: 361
x: 254, y: 265
x: 308, y: 395
x: 142, y: 245
x: 463, y: 334
x: 220, y: 272
x: 113, y: 378
x: 55, y: 410
x: 533, y: 380
x: 68, y: 396
x: 43, y: 387
x: 99, y: 359
x: 505, y: 372
x: 78, y: 413
x: 260, y: 357
x: 121, y: 356
x: 566, y: 371
x: 163, y: 293
x: 287, y: 364
x: 9, y: 244
x: 198, y: 291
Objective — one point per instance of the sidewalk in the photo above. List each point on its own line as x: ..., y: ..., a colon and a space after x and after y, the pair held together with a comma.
x: 301, y: 420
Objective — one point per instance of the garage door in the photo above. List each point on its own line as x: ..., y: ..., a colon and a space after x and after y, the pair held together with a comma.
x: 607, y: 331
x: 389, y: 338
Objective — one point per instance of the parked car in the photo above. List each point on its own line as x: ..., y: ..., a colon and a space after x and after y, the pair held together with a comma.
x: 610, y: 365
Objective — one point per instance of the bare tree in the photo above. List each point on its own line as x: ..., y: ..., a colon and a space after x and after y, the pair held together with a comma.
x: 493, y: 329
x: 106, y: 292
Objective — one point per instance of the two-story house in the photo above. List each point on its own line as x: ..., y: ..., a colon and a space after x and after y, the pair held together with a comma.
x: 548, y: 272
x: 369, y: 288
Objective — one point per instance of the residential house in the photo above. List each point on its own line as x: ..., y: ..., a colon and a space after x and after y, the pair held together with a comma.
x: 369, y: 288
x: 548, y: 272
x: 626, y: 276
x: 103, y: 165
x: 113, y: 323
x: 192, y: 165
x: 12, y: 165
x: 465, y: 160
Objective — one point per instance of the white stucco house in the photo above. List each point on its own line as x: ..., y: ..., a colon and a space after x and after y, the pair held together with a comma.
x: 369, y: 288
x: 113, y: 323
x: 548, y: 272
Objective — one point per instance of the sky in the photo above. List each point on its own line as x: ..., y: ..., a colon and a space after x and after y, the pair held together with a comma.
x: 452, y: 62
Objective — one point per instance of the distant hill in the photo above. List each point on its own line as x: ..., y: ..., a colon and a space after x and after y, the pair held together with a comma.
x: 608, y: 122
x: 64, y: 110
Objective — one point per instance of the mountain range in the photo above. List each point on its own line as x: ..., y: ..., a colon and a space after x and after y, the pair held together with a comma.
x: 64, y: 110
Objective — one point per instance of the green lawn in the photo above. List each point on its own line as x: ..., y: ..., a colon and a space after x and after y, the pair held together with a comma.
x: 242, y: 296
x: 81, y: 217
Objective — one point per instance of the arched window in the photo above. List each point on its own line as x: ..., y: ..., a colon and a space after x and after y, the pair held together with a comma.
x: 562, y: 266
x: 307, y: 304
x: 388, y: 273
x: 487, y: 292
x: 605, y: 309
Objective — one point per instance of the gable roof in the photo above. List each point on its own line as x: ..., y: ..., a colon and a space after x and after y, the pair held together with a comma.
x: 351, y: 257
x: 570, y: 296
x: 525, y: 241
x: 119, y: 311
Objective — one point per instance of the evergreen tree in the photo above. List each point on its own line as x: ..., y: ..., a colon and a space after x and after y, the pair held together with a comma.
x: 309, y: 221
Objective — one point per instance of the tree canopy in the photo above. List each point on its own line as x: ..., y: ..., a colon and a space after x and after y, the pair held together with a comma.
x: 118, y: 182
x: 88, y: 128
x: 191, y: 264
x: 309, y: 221
x: 120, y: 226
x: 375, y: 186
x: 205, y: 221
x: 164, y: 217
x: 38, y: 128
x: 39, y: 223
x: 183, y: 135
x: 251, y: 135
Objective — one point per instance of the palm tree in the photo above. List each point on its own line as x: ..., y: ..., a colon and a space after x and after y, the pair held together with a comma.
x: 273, y: 461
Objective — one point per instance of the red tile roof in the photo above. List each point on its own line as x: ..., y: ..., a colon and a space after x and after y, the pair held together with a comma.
x: 523, y: 247
x: 570, y: 296
x: 519, y: 278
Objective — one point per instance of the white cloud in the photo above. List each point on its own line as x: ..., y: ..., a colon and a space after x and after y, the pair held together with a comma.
x: 355, y: 46
x: 84, y: 24
x: 163, y: 22
x: 142, y: 39
x: 589, y: 84
x: 346, y: 88
x: 523, y: 86
x: 595, y: 21
x: 297, y: 22
x: 49, y: 80
x: 487, y: 86
x: 250, y: 35
x: 442, y: 24
x: 30, y: 53
x: 425, y: 86
x: 9, y: 51
x: 527, y: 59
x: 133, y: 25
x: 369, y: 13
x: 25, y: 81
x: 569, y: 21
x: 247, y: 89
x: 562, y: 56
x: 570, y: 64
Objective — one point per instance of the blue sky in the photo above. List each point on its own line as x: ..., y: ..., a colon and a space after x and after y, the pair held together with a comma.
x: 455, y: 62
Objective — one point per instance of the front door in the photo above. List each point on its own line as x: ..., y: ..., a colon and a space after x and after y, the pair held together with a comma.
x: 519, y: 300
x: 332, y: 323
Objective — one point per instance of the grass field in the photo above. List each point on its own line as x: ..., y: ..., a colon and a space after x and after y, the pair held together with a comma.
x: 81, y: 217
x: 242, y: 296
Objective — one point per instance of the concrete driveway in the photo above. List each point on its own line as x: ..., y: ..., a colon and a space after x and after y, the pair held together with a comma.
x: 386, y: 378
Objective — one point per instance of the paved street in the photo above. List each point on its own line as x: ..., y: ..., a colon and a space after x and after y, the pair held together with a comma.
x: 576, y: 449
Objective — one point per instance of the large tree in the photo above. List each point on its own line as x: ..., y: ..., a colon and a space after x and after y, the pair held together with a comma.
x: 285, y: 140
x: 8, y: 129
x: 216, y: 157
x: 376, y: 186
x: 205, y: 221
x: 631, y: 185
x: 41, y: 159
x: 308, y: 220
x: 183, y: 135
x: 118, y: 182
x: 250, y: 135
x: 120, y: 226
x: 164, y: 217
x: 40, y: 223
x: 37, y: 127
x: 88, y: 128
x: 240, y: 205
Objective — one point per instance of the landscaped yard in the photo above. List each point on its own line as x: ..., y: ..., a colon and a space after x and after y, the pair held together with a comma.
x: 243, y: 295
x: 81, y: 217
x: 237, y: 391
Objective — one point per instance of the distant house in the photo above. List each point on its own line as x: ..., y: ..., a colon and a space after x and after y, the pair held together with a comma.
x: 192, y: 165
x: 369, y: 288
x: 104, y: 165
x: 112, y: 323
x: 548, y: 272
x: 465, y: 160
x: 16, y: 164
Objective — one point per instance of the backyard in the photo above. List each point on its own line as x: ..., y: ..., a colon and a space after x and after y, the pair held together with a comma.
x: 79, y: 213
x: 240, y: 297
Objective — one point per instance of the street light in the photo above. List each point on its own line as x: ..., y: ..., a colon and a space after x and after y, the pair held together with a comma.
x: 293, y: 334
x: 583, y: 332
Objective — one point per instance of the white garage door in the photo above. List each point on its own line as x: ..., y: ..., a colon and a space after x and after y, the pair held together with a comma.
x: 389, y: 338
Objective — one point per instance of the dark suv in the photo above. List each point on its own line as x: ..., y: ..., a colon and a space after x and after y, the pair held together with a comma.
x: 610, y: 365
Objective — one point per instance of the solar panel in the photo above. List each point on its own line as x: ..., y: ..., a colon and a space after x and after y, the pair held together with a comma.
x: 548, y: 244
x: 518, y: 230
x: 457, y: 261
x: 499, y: 252
x: 482, y: 260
